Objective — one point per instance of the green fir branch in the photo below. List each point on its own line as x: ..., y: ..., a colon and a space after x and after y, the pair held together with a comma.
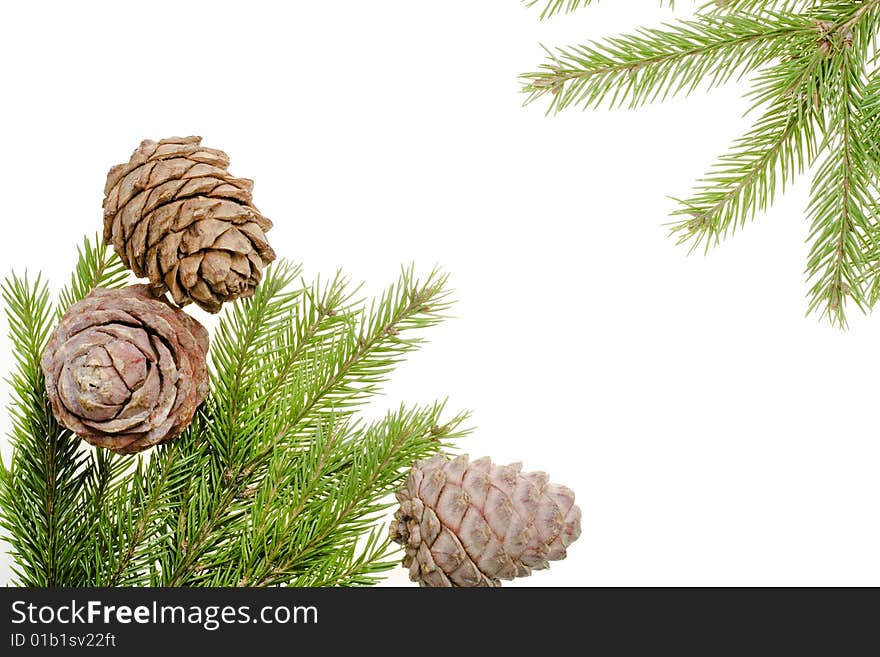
x: 275, y: 482
x: 808, y: 63
x: 319, y: 370
x: 780, y: 145
x: 38, y: 487
x: 52, y: 489
x: 301, y: 521
x: 841, y: 203
x: 869, y: 110
x: 746, y: 6
x: 656, y: 63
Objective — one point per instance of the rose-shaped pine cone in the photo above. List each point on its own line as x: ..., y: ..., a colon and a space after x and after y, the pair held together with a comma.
x: 474, y: 523
x: 126, y: 371
x: 175, y: 215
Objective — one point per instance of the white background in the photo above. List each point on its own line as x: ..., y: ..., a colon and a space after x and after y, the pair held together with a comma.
x: 712, y: 434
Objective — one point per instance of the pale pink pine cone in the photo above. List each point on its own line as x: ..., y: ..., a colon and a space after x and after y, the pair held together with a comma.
x: 472, y: 523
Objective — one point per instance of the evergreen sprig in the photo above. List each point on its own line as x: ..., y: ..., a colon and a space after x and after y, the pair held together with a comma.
x: 52, y: 489
x: 815, y: 94
x: 276, y: 482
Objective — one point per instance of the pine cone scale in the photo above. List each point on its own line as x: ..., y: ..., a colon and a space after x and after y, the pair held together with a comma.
x: 473, y: 524
x: 176, y: 215
x: 128, y: 362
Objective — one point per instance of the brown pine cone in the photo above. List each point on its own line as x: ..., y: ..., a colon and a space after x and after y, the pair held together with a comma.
x: 474, y: 523
x: 126, y: 371
x: 175, y: 215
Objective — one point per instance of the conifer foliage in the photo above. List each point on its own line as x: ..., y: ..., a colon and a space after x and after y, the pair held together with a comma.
x: 277, y: 481
x: 815, y: 96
